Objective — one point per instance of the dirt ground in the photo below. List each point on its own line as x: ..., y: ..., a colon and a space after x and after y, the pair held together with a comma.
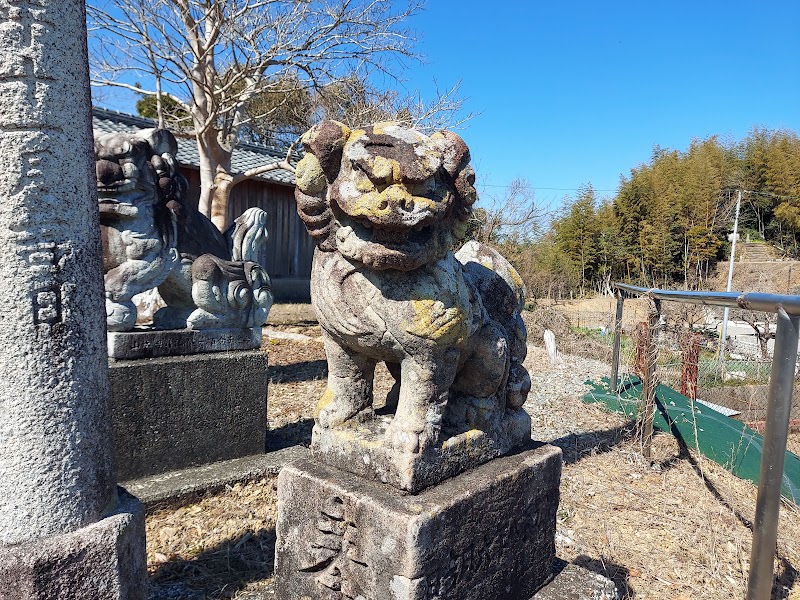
x: 677, y: 527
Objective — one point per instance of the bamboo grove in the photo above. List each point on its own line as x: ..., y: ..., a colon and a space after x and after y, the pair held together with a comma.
x: 670, y: 220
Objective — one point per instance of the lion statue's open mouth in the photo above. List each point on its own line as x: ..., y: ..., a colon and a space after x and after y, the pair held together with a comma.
x: 397, y: 198
x: 126, y: 180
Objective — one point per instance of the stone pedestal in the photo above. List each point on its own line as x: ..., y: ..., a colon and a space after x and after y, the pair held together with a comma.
x: 360, y: 449
x: 152, y: 343
x: 181, y: 411
x: 487, y: 533
x: 573, y: 582
x: 103, y: 560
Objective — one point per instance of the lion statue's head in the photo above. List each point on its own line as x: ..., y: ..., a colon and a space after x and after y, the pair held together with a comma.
x: 137, y: 172
x: 386, y: 196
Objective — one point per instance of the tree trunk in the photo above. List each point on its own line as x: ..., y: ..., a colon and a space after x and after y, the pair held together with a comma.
x: 215, y: 173
x: 223, y: 184
x: 686, y: 249
x: 762, y: 341
x: 207, y: 173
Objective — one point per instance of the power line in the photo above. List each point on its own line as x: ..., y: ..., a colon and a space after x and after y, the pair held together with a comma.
x: 771, y: 195
x: 558, y: 189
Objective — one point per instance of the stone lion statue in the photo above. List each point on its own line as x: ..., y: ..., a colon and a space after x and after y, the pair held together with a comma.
x: 385, y: 205
x: 153, y: 238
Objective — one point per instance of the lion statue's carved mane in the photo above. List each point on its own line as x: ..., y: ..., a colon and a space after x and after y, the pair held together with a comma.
x: 385, y: 205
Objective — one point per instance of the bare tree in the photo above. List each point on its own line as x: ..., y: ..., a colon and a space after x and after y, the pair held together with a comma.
x: 355, y: 102
x: 215, y: 56
x: 762, y: 324
x: 681, y: 317
x: 514, y: 217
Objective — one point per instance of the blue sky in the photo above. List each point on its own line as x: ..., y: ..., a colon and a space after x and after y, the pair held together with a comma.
x: 573, y: 92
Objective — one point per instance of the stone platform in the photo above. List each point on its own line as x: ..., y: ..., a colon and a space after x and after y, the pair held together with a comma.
x: 175, y: 487
x: 102, y: 560
x: 152, y: 343
x: 487, y: 533
x: 567, y: 582
x: 360, y: 449
x: 183, y: 411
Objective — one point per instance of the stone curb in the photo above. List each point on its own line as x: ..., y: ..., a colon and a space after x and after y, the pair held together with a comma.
x: 176, y: 485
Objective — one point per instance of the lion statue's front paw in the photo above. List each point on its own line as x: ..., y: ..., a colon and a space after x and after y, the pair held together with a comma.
x: 120, y: 316
x: 333, y: 411
x: 410, y: 440
x: 402, y: 440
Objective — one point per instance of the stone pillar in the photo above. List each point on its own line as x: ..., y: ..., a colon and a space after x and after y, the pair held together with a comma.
x: 56, y: 478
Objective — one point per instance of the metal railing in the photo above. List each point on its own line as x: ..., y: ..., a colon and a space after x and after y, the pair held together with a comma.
x: 779, y: 403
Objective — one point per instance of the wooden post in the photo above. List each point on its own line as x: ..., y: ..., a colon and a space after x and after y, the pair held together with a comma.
x: 648, y: 407
x: 689, y: 361
x: 641, y: 335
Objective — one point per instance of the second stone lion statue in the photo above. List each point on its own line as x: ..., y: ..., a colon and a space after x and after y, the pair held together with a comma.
x: 385, y: 205
x: 153, y: 238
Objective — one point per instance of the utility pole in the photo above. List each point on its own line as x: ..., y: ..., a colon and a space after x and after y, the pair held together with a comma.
x: 724, y: 335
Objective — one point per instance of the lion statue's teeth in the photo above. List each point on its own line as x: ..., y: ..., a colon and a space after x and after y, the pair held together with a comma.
x: 343, y: 233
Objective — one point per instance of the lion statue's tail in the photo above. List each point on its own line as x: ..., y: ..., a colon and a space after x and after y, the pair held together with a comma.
x: 503, y: 294
x: 247, y: 237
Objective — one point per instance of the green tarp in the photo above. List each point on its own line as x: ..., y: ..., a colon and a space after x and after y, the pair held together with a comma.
x: 724, y: 440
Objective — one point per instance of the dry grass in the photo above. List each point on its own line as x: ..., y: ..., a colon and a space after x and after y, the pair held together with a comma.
x: 599, y: 311
x: 219, y: 546
x: 676, y: 528
x: 297, y: 380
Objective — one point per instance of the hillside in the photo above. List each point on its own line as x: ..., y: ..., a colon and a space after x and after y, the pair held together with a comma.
x: 758, y: 268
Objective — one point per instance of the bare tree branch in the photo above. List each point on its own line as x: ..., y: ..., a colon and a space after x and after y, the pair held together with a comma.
x: 514, y: 217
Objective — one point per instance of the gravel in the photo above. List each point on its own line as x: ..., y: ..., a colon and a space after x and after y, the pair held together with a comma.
x: 555, y: 385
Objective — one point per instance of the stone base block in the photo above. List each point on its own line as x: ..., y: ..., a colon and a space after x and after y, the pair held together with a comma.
x: 361, y: 449
x: 103, y: 561
x: 573, y: 582
x: 183, y: 411
x: 151, y: 343
x: 487, y: 533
